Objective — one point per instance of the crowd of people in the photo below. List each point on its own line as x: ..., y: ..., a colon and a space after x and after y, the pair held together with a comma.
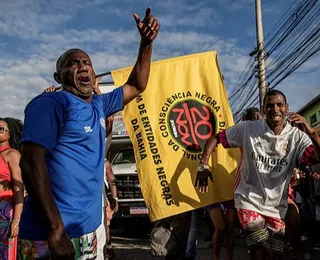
x: 59, y: 159
x: 62, y: 151
x: 276, y: 189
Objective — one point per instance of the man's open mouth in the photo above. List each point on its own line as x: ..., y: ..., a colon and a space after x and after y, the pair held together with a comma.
x: 84, y: 80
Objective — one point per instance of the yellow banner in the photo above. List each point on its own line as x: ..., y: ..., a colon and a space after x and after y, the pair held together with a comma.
x: 185, y: 103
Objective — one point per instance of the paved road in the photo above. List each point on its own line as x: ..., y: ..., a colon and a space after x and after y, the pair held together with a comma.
x: 132, y: 243
x: 138, y: 249
x: 135, y: 246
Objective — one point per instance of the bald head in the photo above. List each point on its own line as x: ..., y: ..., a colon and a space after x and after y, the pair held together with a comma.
x: 61, y: 60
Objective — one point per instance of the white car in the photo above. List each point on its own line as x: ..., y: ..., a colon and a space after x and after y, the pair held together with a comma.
x: 130, y: 199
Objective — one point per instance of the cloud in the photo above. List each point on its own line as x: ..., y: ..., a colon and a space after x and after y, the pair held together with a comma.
x: 15, y: 99
x: 25, y: 20
x: 300, y: 93
x: 28, y: 77
x: 36, y: 33
x: 303, y: 84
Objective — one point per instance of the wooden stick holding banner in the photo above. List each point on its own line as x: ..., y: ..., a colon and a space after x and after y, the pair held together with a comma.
x: 107, y: 83
x: 103, y: 74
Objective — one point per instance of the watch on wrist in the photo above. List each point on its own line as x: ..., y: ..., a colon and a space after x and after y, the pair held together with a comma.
x: 202, y: 167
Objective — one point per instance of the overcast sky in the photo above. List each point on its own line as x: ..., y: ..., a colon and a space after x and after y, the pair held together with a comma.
x: 34, y: 33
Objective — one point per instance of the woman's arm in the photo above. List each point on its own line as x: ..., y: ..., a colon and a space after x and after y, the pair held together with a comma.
x: 18, y: 189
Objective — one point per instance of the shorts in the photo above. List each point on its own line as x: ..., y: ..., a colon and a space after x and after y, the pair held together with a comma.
x: 224, y: 205
x: 254, y: 221
x: 263, y: 230
x: 85, y: 248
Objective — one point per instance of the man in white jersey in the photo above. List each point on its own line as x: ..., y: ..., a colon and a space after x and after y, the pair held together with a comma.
x: 269, y: 150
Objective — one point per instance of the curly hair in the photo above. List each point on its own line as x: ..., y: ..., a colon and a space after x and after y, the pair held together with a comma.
x: 15, y: 129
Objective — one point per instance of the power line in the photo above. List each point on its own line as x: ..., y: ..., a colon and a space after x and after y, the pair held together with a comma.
x: 210, y: 19
x: 291, y: 43
x: 224, y: 20
x: 242, y: 43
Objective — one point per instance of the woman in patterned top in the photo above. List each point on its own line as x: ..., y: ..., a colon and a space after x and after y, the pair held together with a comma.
x: 11, y: 187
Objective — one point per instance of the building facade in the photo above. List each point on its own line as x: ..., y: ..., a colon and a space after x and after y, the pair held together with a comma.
x: 311, y: 111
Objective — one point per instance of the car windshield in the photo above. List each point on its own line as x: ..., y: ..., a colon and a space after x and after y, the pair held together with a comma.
x: 125, y: 156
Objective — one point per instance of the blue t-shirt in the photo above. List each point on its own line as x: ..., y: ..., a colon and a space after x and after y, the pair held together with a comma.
x: 73, y: 132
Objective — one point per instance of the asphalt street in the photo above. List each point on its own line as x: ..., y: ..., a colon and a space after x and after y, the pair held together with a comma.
x: 133, y: 244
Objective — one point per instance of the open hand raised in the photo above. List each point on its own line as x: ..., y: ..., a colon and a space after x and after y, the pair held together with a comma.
x: 202, y: 180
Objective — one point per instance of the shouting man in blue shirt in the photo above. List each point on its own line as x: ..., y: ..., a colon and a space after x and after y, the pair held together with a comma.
x: 63, y: 153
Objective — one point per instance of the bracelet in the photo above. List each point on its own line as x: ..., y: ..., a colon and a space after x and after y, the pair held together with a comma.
x: 202, y: 167
x: 116, y: 198
x: 15, y: 223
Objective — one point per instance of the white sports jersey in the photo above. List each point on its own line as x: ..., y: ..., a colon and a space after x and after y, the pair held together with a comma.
x: 266, y: 164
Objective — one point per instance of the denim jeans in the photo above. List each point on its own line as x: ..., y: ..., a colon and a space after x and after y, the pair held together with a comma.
x: 191, y: 251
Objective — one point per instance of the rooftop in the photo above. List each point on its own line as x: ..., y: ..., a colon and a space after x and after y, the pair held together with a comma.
x: 311, y: 102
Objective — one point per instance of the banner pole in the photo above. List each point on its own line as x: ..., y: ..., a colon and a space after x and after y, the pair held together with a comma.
x: 103, y: 74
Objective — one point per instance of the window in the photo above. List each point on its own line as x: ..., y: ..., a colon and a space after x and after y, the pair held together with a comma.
x: 313, y: 119
x: 124, y: 156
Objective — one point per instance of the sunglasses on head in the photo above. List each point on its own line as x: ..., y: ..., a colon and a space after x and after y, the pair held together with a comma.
x: 3, y: 129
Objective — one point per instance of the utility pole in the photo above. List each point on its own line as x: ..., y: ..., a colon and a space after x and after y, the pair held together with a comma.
x: 260, y: 55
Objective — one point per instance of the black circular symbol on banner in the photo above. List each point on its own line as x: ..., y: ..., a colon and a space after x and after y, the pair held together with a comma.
x: 191, y: 123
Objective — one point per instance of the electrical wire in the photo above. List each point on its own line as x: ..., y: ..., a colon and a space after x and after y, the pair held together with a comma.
x: 293, y: 40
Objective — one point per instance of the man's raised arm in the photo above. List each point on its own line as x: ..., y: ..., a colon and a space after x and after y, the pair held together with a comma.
x: 138, y: 78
